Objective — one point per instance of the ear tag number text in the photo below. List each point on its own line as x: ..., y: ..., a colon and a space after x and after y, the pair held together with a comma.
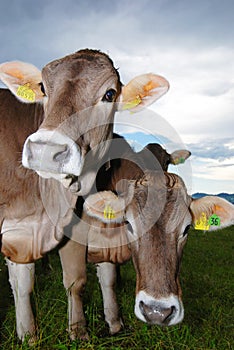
x: 214, y: 220
x: 25, y: 92
x: 202, y: 223
x: 109, y: 213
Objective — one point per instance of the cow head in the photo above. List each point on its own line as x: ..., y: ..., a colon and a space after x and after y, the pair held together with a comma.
x: 78, y: 93
x: 164, y: 158
x: 159, y: 213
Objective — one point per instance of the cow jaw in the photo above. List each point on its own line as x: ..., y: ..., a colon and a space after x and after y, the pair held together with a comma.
x: 163, y: 312
x: 52, y: 155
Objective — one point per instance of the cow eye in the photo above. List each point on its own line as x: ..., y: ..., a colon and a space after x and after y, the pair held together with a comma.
x: 109, y: 95
x: 42, y: 88
x: 186, y: 230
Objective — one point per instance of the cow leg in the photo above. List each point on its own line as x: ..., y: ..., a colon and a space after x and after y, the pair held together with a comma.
x: 106, y: 273
x: 73, y: 260
x: 21, y: 278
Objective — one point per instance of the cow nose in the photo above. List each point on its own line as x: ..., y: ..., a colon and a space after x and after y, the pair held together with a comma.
x: 47, y: 156
x: 157, y: 314
x: 43, y: 152
x: 52, y: 154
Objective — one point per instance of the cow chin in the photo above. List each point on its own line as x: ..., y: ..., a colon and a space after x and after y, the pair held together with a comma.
x: 163, y: 312
x: 52, y: 154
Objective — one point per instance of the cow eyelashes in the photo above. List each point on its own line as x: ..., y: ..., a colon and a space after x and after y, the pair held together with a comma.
x: 42, y: 88
x: 109, y: 95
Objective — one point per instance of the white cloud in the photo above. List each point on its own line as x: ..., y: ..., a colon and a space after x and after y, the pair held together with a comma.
x: 216, y: 171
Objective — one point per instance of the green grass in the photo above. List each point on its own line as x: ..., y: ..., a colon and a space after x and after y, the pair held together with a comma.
x: 207, y: 278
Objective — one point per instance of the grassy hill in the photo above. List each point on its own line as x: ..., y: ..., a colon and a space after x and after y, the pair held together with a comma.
x: 207, y: 281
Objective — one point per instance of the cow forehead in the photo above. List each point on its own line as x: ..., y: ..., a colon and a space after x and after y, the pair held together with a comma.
x: 81, y: 64
x: 162, y: 201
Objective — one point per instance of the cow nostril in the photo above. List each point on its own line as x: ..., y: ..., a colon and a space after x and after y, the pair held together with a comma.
x: 169, y: 314
x: 28, y: 150
x: 62, y: 156
x: 156, y: 313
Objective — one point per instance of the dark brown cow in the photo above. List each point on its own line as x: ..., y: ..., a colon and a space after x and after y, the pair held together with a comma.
x: 149, y: 221
x: 77, y: 114
x: 164, y: 158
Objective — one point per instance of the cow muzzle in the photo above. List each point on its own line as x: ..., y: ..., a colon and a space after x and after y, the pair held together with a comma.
x: 163, y: 312
x: 52, y: 154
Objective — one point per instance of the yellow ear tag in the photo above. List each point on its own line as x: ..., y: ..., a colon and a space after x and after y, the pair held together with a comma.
x: 109, y: 213
x: 132, y: 104
x: 25, y: 92
x: 202, y: 223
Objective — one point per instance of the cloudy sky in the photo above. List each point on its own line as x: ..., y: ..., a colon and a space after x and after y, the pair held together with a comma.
x: 189, y: 42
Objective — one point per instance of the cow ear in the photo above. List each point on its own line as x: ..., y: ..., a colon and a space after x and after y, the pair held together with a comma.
x: 212, y: 213
x: 23, y: 79
x: 142, y: 91
x: 106, y: 207
x: 179, y: 156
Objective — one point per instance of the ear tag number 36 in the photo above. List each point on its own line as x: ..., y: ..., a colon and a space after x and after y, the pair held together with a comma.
x: 214, y: 220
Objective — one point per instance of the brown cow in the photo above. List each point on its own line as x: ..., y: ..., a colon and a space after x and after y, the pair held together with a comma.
x: 77, y: 114
x: 158, y: 214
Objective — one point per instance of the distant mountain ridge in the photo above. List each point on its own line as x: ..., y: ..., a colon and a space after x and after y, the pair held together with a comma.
x: 228, y: 196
